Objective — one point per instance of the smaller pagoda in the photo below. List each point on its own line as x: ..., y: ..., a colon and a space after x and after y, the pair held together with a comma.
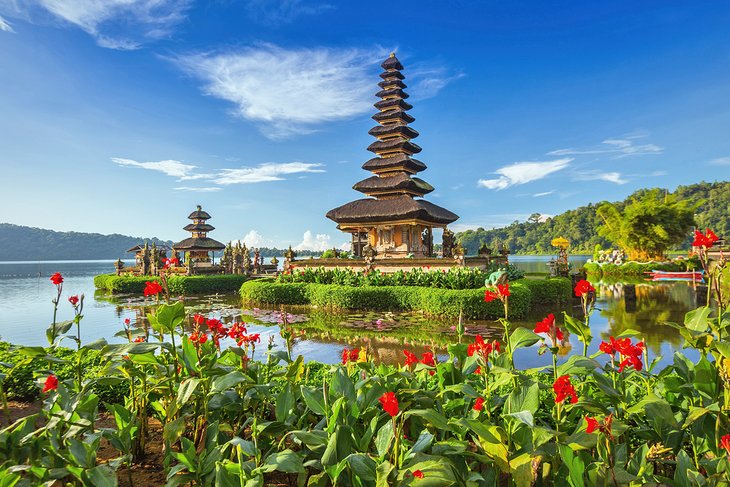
x: 199, y: 246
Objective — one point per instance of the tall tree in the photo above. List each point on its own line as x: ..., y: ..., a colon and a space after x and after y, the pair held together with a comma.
x: 652, y: 222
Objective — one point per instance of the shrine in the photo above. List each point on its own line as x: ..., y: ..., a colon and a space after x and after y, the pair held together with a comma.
x: 198, y: 247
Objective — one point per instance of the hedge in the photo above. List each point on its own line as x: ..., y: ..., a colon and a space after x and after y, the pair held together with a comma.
x: 447, y: 302
x: 639, y: 268
x: 179, y: 285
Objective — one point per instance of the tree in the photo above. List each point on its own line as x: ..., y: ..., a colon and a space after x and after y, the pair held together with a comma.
x: 651, y: 222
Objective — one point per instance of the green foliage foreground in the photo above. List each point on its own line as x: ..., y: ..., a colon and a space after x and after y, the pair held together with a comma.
x: 179, y: 285
x: 636, y: 269
x: 526, y: 294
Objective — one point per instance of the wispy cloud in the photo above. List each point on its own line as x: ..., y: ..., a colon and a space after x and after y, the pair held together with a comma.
x: 198, y: 190
x: 270, y: 171
x: 427, y: 82
x: 275, y: 12
x: 115, y: 24
x: 597, y: 175
x: 618, y: 147
x: 265, y: 172
x: 523, y: 172
x: 5, y: 26
x: 721, y: 161
x: 170, y: 167
x: 288, y: 91
x: 546, y: 193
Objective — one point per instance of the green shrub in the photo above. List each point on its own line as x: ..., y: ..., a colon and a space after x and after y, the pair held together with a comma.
x: 639, y: 268
x: 21, y: 384
x: 179, y: 285
x: 525, y: 294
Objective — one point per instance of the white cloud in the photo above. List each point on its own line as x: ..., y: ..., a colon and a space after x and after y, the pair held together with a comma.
x: 288, y: 91
x: 255, y: 239
x: 721, y: 161
x: 170, y: 167
x: 546, y: 193
x: 619, y: 147
x: 319, y: 242
x: 198, y: 190
x: 5, y: 26
x: 264, y: 172
x: 115, y: 24
x: 597, y: 175
x: 427, y: 82
x: 523, y: 172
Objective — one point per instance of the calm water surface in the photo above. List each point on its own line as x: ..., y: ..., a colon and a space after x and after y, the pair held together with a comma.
x: 26, y: 311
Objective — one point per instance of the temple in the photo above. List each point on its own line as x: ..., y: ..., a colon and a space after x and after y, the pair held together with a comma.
x: 394, y: 220
x: 199, y: 245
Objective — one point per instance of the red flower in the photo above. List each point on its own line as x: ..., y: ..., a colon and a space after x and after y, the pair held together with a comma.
x: 198, y: 319
x: 548, y: 326
x: 478, y: 404
x: 490, y: 296
x: 429, y: 359
x: 74, y: 300
x: 152, y: 288
x: 630, y: 354
x: 583, y: 287
x: 57, y: 279
x: 51, y: 383
x: 127, y: 321
x: 478, y: 370
x: 564, y: 389
x: 591, y: 424
x: 608, y: 348
x: 139, y: 340
x: 199, y: 338
x: 350, y: 355
x: 389, y: 403
x: 170, y: 262
x: 503, y: 290
x: 482, y: 348
x: 215, y: 325
x: 707, y: 239
x: 417, y: 474
x: 411, y: 358
x: 725, y: 443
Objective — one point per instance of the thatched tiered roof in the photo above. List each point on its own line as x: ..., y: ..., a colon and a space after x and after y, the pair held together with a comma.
x: 199, y: 241
x: 392, y: 190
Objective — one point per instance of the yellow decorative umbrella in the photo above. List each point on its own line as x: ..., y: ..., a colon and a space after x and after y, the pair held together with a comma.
x: 560, y: 242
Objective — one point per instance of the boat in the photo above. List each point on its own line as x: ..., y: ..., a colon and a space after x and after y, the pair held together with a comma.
x: 689, y: 276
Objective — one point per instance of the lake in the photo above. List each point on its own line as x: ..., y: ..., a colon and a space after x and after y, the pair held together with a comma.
x: 26, y: 311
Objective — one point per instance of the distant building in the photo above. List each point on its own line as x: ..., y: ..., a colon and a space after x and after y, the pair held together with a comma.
x: 394, y: 220
x: 199, y: 245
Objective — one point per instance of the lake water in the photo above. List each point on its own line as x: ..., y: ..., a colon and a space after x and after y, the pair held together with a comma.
x: 26, y: 311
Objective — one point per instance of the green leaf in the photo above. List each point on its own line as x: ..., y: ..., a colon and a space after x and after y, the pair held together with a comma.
x: 577, y: 365
x: 384, y: 438
x: 285, y: 401
x: 696, y: 320
x: 169, y: 316
x: 382, y: 473
x: 363, y: 466
x: 436, y: 419
x: 523, y: 337
x: 283, y: 461
x: 227, y: 381
x: 339, y: 446
x: 524, y: 417
x: 578, y: 328
x: 102, y: 476
x: 187, y: 387
x: 526, y: 397
x: 314, y: 399
x: 174, y: 430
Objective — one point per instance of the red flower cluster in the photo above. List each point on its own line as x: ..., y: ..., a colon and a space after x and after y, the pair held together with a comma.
x: 417, y: 474
x: 152, y: 288
x: 198, y: 319
x: 725, y: 443
x: 350, y: 355
x: 706, y: 239
x: 428, y: 358
x: 389, y: 403
x: 171, y: 262
x: 564, y: 389
x: 548, y: 326
x: 51, y: 383
x: 482, y: 348
x: 583, y: 287
x: 411, y: 358
x: 478, y: 404
x: 630, y: 354
x: 139, y: 340
x: 74, y: 300
x: 501, y: 293
x: 593, y: 424
x: 198, y: 337
x: 57, y: 279
x: 216, y: 326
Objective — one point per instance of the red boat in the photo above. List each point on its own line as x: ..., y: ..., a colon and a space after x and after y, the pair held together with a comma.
x: 691, y: 276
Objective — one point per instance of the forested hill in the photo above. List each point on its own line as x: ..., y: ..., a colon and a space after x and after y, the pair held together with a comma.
x: 580, y: 225
x: 27, y: 243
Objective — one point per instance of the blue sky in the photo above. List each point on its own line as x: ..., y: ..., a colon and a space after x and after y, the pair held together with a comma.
x: 121, y: 116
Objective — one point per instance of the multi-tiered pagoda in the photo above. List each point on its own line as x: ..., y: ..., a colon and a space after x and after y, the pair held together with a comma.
x: 199, y: 245
x: 394, y: 220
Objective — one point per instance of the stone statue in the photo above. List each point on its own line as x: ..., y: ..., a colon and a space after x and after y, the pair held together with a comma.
x: 459, y: 254
x: 119, y: 265
x: 368, y: 253
x: 447, y: 243
x: 256, y: 261
x: 427, y: 239
x: 246, y: 260
x: 497, y: 277
x: 484, y: 250
x: 227, y: 259
x: 145, y: 270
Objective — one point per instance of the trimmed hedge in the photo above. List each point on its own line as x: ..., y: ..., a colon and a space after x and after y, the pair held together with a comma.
x: 179, y: 285
x: 639, y: 268
x: 448, y: 302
